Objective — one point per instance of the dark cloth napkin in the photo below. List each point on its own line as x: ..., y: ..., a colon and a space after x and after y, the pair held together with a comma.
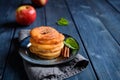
x: 56, y: 72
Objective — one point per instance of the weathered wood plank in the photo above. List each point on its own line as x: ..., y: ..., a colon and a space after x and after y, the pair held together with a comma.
x: 109, y: 17
x: 14, y: 67
x: 54, y: 11
x: 6, y: 31
x: 115, y: 4
x: 100, y: 45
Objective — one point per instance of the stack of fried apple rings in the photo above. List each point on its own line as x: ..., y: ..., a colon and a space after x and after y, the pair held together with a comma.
x: 46, y: 42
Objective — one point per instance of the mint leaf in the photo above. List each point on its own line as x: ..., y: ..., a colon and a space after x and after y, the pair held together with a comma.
x: 62, y: 22
x: 71, y: 43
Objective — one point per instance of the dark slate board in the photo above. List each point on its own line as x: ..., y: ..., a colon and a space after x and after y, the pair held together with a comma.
x: 102, y: 49
x: 14, y: 67
x: 109, y: 17
x: 54, y: 11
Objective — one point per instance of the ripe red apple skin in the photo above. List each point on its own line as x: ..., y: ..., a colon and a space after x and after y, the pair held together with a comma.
x: 40, y: 2
x: 25, y: 15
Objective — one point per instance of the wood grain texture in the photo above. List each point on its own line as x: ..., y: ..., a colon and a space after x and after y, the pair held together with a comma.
x: 14, y: 69
x: 54, y: 11
x: 102, y: 49
x: 93, y: 23
x: 108, y: 16
x: 115, y: 4
x: 6, y: 31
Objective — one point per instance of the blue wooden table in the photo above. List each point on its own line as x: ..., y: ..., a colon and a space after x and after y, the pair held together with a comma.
x: 94, y: 23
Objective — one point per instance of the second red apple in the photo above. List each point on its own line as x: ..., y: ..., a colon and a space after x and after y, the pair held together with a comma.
x: 40, y: 2
x: 25, y: 15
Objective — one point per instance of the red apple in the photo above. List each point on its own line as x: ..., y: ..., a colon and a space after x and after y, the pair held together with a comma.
x: 40, y: 2
x: 25, y: 15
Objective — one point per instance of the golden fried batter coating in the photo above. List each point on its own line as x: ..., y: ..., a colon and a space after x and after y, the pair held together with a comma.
x: 46, y: 48
x: 56, y: 40
x: 48, y: 55
x: 44, y: 33
x: 46, y: 42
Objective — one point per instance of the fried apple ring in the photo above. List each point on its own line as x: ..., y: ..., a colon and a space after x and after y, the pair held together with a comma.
x: 44, y: 33
x: 47, y: 46
x: 37, y: 48
x: 48, y: 55
x: 46, y: 42
x: 56, y: 40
